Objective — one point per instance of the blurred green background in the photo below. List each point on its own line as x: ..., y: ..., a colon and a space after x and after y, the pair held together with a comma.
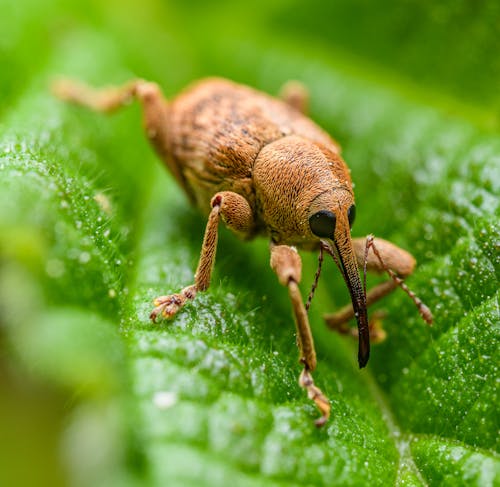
x: 92, y: 228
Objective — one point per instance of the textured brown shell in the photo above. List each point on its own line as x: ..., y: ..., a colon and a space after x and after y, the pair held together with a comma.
x: 216, y: 129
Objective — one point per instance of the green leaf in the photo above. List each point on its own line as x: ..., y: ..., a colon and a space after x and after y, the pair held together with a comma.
x: 92, y: 228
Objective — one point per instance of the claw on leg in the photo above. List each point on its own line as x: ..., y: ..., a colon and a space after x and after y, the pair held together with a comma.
x: 314, y: 393
x: 168, y: 306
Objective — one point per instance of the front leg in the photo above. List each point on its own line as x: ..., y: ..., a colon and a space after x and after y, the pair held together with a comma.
x: 238, y: 216
x: 384, y: 257
x: 286, y: 263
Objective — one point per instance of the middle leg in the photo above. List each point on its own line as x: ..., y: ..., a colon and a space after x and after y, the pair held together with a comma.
x: 384, y: 257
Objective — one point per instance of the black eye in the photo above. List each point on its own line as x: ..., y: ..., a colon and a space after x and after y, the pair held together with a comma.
x: 322, y: 224
x: 351, y: 215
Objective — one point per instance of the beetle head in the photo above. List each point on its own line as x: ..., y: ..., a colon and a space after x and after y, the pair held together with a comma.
x: 331, y: 216
x: 304, y: 197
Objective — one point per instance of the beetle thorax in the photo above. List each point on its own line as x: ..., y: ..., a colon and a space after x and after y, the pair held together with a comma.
x: 288, y: 175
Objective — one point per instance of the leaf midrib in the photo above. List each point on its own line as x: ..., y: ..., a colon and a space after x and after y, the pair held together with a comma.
x: 401, y: 440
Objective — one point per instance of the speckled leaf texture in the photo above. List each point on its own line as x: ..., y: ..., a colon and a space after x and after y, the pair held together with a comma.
x: 92, y: 228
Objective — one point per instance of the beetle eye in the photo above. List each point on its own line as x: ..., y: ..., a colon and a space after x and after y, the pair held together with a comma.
x: 322, y: 224
x: 351, y: 215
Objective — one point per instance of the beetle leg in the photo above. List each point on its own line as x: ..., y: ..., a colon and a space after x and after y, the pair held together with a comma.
x: 238, y: 216
x: 110, y: 99
x: 295, y: 94
x: 286, y: 263
x: 384, y: 257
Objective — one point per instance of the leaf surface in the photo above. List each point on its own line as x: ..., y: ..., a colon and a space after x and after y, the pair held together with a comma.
x: 92, y: 228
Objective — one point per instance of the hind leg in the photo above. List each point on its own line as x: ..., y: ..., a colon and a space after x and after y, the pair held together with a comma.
x: 111, y: 99
x: 295, y: 94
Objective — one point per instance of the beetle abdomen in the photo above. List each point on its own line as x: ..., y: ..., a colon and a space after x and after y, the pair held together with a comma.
x: 217, y: 129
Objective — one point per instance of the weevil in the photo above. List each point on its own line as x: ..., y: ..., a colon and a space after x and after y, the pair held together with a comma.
x: 260, y: 165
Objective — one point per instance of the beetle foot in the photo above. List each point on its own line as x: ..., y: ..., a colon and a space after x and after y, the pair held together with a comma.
x: 314, y: 393
x: 375, y: 326
x: 168, y: 306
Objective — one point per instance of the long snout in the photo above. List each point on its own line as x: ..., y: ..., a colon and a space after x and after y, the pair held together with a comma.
x: 346, y: 260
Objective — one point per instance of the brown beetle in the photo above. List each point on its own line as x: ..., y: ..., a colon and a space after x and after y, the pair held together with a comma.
x: 262, y: 166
